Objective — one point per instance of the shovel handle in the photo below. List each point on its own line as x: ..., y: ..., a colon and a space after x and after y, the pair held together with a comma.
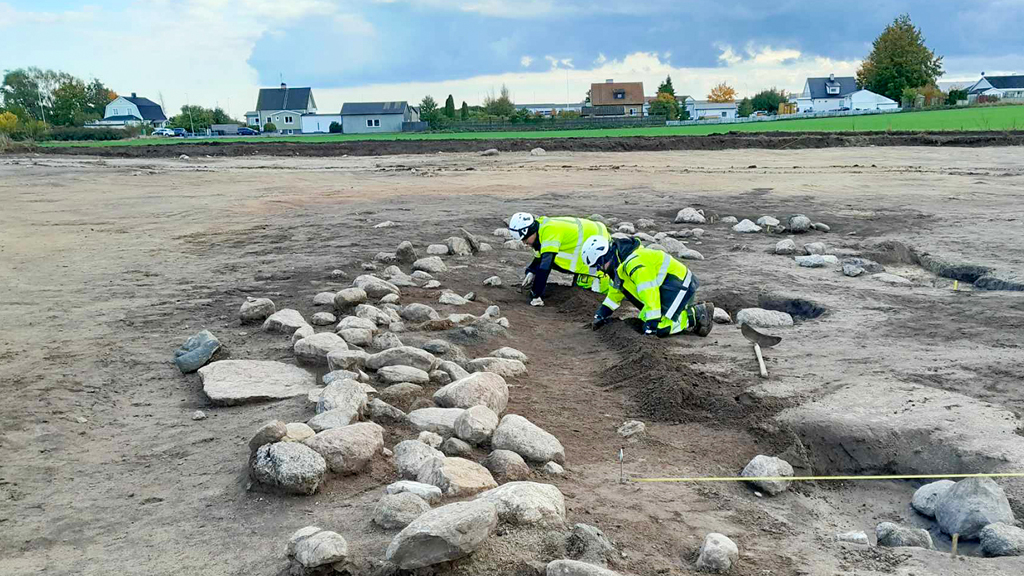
x: 760, y: 361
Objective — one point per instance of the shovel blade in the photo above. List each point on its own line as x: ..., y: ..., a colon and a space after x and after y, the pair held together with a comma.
x: 764, y: 340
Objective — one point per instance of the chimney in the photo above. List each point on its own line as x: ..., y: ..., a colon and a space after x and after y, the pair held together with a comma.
x: 831, y: 77
x: 609, y: 81
x: 133, y: 95
x: 283, y: 86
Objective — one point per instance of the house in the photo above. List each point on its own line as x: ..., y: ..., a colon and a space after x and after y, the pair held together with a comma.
x: 615, y: 99
x: 868, y: 100
x: 376, y: 117
x: 319, y: 123
x: 283, y: 107
x: 132, y: 111
x: 825, y: 94
x: 1002, y: 87
x: 704, y: 110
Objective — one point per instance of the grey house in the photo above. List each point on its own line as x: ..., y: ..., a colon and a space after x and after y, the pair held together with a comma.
x: 284, y: 107
x: 376, y: 117
x: 132, y: 110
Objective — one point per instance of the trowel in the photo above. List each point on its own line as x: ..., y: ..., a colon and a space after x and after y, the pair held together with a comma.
x: 759, y: 340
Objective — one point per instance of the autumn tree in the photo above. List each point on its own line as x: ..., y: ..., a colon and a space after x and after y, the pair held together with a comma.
x: 665, y: 105
x: 899, y: 60
x: 722, y: 93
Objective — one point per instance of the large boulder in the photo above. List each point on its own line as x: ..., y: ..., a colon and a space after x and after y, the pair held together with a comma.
x: 506, y: 466
x: 345, y: 394
x: 355, y: 322
x: 356, y: 336
x: 458, y: 246
x: 348, y: 449
x: 402, y: 356
x: 576, y: 568
x: 401, y: 393
x: 428, y: 492
x: 284, y: 321
x: 350, y: 297
x: 717, y: 554
x: 483, y: 388
x: 302, y: 332
x: 273, y: 431
x: 504, y: 367
x: 375, y: 287
x: 970, y: 505
x: 890, y: 535
x: 455, y: 371
x: 374, y: 314
x: 255, y: 310
x: 230, y: 382
x: 346, y: 360
x: 1000, y: 539
x: 323, y: 319
x: 926, y: 498
x: 455, y: 447
x: 381, y: 411
x: 406, y: 253
x: 527, y: 503
x: 761, y: 318
x: 314, y: 349
x: 476, y: 424
x: 746, y: 227
x: 386, y: 341
x: 456, y: 477
x: 331, y: 419
x: 768, y: 467
x: 396, y: 374
x: 439, y: 420
x: 312, y: 547
x: 798, y: 224
x: 443, y: 534
x: 417, y: 312
x: 196, y: 351
x: 785, y: 247
x: 589, y: 544
x: 398, y: 510
x: 410, y: 456
x: 289, y: 466
x: 297, y: 432
x: 430, y: 265
x: 525, y: 438
x: 690, y: 216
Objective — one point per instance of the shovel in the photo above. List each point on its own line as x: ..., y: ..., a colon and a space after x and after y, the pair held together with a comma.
x: 759, y: 340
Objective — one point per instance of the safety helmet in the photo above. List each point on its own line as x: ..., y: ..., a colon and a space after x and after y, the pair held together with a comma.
x: 521, y: 224
x: 595, y: 250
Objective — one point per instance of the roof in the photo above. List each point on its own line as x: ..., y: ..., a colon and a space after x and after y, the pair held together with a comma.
x: 363, y: 108
x: 284, y: 98
x: 150, y: 110
x: 603, y: 94
x: 705, y: 105
x: 877, y: 97
x: 1006, y: 82
x: 847, y: 85
x: 122, y: 118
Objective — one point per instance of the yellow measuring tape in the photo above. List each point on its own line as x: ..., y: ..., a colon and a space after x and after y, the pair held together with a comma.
x: 817, y: 478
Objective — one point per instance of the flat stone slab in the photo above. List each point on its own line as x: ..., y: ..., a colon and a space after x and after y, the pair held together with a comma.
x: 230, y: 382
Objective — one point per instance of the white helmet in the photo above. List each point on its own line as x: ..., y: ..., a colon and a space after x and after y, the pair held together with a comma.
x: 520, y: 224
x: 594, y: 249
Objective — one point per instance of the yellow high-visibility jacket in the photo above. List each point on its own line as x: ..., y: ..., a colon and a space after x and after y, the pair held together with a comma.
x: 564, y: 236
x: 641, y: 274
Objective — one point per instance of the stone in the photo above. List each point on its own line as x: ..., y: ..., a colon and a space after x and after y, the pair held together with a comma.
x: 400, y: 392
x: 289, y: 466
x: 527, y: 503
x: 821, y: 227
x: 347, y: 395
x: 417, y: 312
x: 402, y: 356
x: 338, y: 274
x: 869, y: 266
x: 299, y: 535
x: 454, y: 370
x: 489, y: 152
x: 386, y: 224
x: 427, y: 492
x: 411, y: 455
x: 503, y: 233
x: 785, y: 247
x: 491, y: 313
x: 452, y: 299
x: 199, y: 415
x: 513, y: 244
x: 456, y: 447
x: 525, y: 438
x: 421, y: 275
x: 856, y: 537
x: 746, y: 227
x: 576, y: 568
x: 196, y: 351
x: 717, y: 554
x: 373, y: 286
x: 999, y: 539
x: 397, y: 327
x: 406, y: 253
x: 432, y: 285
x: 926, y: 498
x: 729, y: 220
x: 722, y: 317
x: 474, y: 242
x: 381, y: 411
x: 461, y: 319
x: 816, y: 261
x: 348, y: 449
x: 476, y: 425
x: 386, y: 341
x: 303, y: 332
x: 646, y: 224
x: 589, y: 544
x: 331, y: 419
x: 297, y: 432
x: 658, y: 247
x: 690, y: 216
x: 319, y: 549
x: 538, y: 152
x: 644, y: 237
x: 397, y: 374
x: 627, y: 228
x: 284, y: 321
x: 506, y: 466
x: 553, y: 469
x: 347, y: 360
x: 798, y: 224
x: 504, y: 367
x: 386, y: 257
x: 891, y: 535
x: 398, y: 510
x: 632, y: 430
x: 437, y: 250
x: 349, y: 297
x: 323, y: 319
x: 482, y: 388
x: 355, y: 322
x: 269, y: 433
x: 314, y: 349
x: 815, y: 248
x: 891, y: 279
x: 458, y: 246
x: 767, y: 221
x: 510, y: 354
x: 430, y: 439
x: 493, y: 281
x: 456, y: 477
x: 255, y: 310
x: 439, y: 420
x: 374, y: 314
x: 970, y: 505
x: 762, y: 466
x: 761, y: 318
x: 689, y: 254
x: 443, y: 534
x: 430, y: 264
x: 230, y: 382
x: 440, y: 378
x: 671, y: 245
x: 852, y: 270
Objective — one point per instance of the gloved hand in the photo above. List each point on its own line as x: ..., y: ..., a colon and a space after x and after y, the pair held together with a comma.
x: 599, y: 321
x: 527, y: 281
x: 651, y: 327
x: 537, y: 302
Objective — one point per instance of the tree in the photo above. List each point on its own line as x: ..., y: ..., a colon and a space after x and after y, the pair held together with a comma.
x: 666, y: 87
x: 8, y: 123
x: 722, y: 93
x: 899, y: 60
x: 429, y: 112
x: 334, y: 128
x: 746, y: 108
x: 270, y: 127
x: 464, y: 112
x: 665, y: 105
x: 449, y: 107
x: 97, y: 97
x: 768, y: 100
x: 955, y: 95
x: 70, y: 100
x: 502, y: 105
x: 197, y: 119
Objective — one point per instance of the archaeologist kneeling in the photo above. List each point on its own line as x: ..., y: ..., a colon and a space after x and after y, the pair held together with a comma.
x: 557, y: 244
x: 661, y: 286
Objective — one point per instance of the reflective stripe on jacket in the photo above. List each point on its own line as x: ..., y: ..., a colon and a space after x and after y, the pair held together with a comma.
x: 564, y: 236
x: 641, y: 274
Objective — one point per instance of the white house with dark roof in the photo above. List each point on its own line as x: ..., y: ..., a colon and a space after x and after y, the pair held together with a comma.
x: 132, y: 111
x: 1003, y: 87
x: 283, y: 107
x: 376, y: 117
x: 825, y: 94
x: 704, y: 110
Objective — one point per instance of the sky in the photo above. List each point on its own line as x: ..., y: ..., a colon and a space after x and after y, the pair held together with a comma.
x: 220, y: 52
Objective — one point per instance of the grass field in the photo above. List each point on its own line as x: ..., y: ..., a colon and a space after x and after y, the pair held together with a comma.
x: 967, y: 119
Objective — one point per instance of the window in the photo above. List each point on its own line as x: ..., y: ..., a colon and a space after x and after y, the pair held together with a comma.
x: 619, y: 94
x: 833, y: 89
x: 373, y: 123
x: 369, y: 123
x: 632, y: 111
x: 287, y: 119
x: 724, y: 114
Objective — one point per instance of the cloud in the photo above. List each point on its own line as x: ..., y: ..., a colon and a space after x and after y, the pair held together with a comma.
x: 11, y: 16
x: 525, y: 61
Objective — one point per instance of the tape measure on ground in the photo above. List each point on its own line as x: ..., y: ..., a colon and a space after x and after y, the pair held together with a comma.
x: 833, y: 478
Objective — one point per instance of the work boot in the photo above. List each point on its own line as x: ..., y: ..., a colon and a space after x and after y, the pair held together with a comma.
x: 703, y: 318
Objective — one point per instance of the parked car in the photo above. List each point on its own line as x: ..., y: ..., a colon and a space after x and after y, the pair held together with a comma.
x: 163, y: 132
x: 246, y: 131
x: 759, y: 113
x: 180, y: 132
x: 844, y: 108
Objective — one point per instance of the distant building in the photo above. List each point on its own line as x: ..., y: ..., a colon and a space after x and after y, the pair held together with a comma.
x: 704, y: 110
x: 548, y: 109
x: 283, y: 107
x: 615, y: 99
x: 868, y: 100
x: 376, y: 117
x: 825, y: 94
x: 319, y: 123
x: 1003, y: 87
x: 132, y: 111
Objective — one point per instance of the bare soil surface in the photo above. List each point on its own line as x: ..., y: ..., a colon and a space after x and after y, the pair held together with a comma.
x: 109, y: 264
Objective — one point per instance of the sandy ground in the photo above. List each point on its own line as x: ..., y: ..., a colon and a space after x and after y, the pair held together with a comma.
x: 108, y: 265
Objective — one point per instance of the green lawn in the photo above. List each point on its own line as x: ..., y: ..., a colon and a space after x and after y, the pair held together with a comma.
x: 982, y: 118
